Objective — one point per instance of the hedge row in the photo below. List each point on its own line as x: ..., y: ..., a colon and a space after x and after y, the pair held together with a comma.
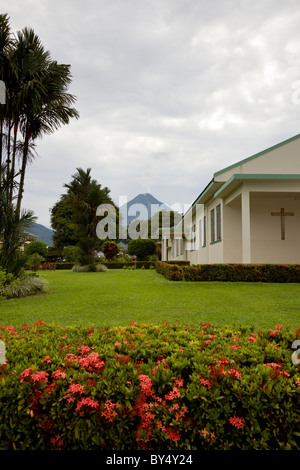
x: 167, y: 387
x: 132, y: 264
x: 114, y: 265
x: 172, y: 272
x: 231, y: 272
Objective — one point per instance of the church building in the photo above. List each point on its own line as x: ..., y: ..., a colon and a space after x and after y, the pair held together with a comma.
x: 248, y: 213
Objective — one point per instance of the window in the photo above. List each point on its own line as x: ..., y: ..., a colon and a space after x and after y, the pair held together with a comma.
x: 193, y: 237
x: 200, y: 234
x: 219, y: 222
x: 212, y: 225
x: 204, y: 231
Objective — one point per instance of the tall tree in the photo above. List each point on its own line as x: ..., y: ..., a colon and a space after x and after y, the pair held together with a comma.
x: 37, y: 102
x: 84, y: 195
x: 12, y: 228
x: 44, y: 102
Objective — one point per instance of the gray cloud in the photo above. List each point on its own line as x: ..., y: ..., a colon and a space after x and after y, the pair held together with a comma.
x: 168, y: 91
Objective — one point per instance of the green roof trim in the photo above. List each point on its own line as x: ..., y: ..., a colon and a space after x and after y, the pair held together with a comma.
x: 274, y: 147
x: 263, y: 176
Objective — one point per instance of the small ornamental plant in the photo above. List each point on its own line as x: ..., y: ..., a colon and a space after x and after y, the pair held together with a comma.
x: 149, y: 387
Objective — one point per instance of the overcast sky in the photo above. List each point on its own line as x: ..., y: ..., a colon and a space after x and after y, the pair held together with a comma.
x: 168, y: 91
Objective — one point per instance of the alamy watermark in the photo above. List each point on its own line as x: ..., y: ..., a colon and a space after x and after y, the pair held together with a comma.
x: 296, y: 354
x: 2, y: 353
x: 134, y: 224
x: 2, y: 92
x: 296, y: 93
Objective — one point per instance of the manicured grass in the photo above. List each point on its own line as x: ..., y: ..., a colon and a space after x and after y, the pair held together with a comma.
x: 119, y: 297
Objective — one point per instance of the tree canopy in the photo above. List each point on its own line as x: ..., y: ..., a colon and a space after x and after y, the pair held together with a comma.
x: 77, y: 226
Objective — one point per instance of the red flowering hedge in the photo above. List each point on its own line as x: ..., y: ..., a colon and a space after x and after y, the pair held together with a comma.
x: 230, y: 272
x: 187, y: 387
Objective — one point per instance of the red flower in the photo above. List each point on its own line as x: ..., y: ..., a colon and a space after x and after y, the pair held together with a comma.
x: 146, y: 384
x: 58, y: 373
x: 46, y: 359
x: 237, y: 422
x: 109, y: 413
x: 86, y: 402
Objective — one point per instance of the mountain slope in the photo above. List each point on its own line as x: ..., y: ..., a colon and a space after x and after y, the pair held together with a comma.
x: 43, y: 233
x: 143, y: 207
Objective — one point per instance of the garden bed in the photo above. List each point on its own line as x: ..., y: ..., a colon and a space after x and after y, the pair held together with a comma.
x: 149, y: 387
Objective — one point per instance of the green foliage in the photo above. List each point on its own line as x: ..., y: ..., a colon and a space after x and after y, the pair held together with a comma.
x: 61, y: 217
x: 64, y: 266
x: 54, y: 254
x: 181, y: 271
x: 71, y: 253
x: 38, y: 100
x: 34, y: 262
x: 75, y: 218
x: 110, y: 250
x: 172, y: 272
x: 13, y: 225
x: 22, y: 287
x: 146, y: 387
x: 242, y: 273
x: 141, y: 248
x: 36, y: 247
x: 90, y: 268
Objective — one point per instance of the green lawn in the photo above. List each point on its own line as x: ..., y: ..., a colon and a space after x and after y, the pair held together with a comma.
x: 119, y: 297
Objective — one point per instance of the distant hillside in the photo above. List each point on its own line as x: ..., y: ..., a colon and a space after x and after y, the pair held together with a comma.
x: 43, y: 233
x: 146, y: 200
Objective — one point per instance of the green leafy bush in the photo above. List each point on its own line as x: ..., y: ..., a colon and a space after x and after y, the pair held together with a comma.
x: 172, y: 272
x: 234, y: 272
x: 188, y: 387
x: 71, y: 253
x: 142, y: 248
x: 64, y: 265
x: 36, y: 247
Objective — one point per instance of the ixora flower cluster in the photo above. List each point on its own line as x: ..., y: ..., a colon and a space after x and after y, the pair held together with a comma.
x: 161, y: 387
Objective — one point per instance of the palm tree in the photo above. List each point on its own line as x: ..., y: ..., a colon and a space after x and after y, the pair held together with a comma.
x: 37, y: 103
x: 44, y: 103
x: 12, y: 227
x: 6, y: 44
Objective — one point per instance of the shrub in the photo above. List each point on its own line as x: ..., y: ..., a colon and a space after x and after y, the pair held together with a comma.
x: 89, y: 268
x: 141, y: 248
x: 47, y: 266
x: 36, y: 247
x: 23, y: 286
x: 34, y: 262
x: 166, y: 387
x: 71, y: 253
x: 110, y: 250
x: 64, y: 265
x: 172, y: 272
x: 235, y: 272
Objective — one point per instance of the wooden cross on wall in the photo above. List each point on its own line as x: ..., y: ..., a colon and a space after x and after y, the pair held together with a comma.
x: 282, y: 214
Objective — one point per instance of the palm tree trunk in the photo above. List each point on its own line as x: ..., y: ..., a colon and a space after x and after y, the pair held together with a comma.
x: 23, y: 169
x: 8, y: 155
x: 13, y: 162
